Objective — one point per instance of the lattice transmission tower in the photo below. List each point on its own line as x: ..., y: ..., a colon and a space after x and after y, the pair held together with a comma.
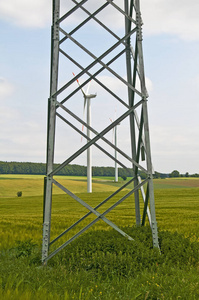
x: 98, y: 41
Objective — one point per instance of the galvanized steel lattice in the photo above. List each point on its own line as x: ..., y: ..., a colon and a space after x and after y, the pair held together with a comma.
x: 97, y: 40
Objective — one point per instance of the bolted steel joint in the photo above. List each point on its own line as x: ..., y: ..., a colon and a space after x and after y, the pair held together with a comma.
x: 150, y: 176
x: 45, y: 227
x: 56, y: 26
x: 56, y: 33
x: 45, y: 241
x: 53, y: 99
x: 139, y: 24
x: 154, y: 226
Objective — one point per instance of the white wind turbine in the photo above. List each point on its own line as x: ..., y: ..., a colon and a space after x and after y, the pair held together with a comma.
x: 87, y: 101
x: 115, y: 140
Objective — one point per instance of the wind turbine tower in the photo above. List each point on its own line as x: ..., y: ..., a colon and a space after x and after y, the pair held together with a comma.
x: 115, y: 142
x: 87, y: 104
x: 116, y: 164
x: 89, y: 150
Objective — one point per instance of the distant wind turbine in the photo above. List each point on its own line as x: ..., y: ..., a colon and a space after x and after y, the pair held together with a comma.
x: 115, y: 140
x: 87, y: 98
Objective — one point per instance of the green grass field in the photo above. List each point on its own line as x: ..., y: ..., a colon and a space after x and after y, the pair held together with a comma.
x: 173, y: 275
x: 32, y: 185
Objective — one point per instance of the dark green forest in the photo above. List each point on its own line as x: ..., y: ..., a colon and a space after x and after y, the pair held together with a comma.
x: 77, y: 170
x: 70, y: 170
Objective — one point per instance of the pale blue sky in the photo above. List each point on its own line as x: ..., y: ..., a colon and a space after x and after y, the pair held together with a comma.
x: 171, y: 47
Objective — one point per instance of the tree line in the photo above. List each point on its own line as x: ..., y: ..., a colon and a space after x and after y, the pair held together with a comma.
x: 69, y: 170
x: 78, y: 170
x: 72, y: 170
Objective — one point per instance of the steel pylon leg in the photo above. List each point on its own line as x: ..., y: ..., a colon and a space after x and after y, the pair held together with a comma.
x: 146, y: 125
x: 51, y: 129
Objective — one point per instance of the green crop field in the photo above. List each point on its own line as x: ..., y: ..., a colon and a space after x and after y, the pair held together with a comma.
x: 100, y: 264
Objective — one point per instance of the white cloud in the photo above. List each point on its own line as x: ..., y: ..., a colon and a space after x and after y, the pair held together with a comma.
x: 6, y: 88
x: 178, y: 17
x: 175, y: 148
x: 112, y: 83
x: 118, y: 87
x: 26, y: 13
x: 21, y: 139
x: 196, y: 82
x: 149, y: 84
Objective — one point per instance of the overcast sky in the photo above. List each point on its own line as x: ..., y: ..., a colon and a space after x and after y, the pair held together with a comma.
x: 171, y: 47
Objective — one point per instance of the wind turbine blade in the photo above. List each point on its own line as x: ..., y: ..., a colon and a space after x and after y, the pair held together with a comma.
x: 80, y: 85
x: 88, y: 87
x: 112, y: 131
x: 83, y: 115
x: 113, y: 134
x: 84, y: 109
x: 115, y: 115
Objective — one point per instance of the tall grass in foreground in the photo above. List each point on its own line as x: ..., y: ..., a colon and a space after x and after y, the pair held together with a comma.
x: 101, y: 264
x: 104, y: 265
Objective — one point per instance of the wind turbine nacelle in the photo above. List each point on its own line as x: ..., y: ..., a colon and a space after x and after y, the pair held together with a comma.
x: 91, y: 96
